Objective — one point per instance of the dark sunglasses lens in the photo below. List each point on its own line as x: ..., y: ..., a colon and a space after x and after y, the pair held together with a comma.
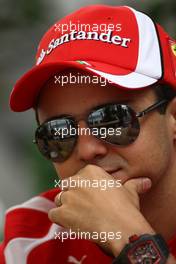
x: 54, y: 139
x: 117, y: 124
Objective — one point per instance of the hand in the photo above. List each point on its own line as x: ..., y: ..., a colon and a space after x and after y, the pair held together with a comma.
x: 115, y: 209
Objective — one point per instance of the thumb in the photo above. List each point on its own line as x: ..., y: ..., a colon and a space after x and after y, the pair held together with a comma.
x: 138, y: 185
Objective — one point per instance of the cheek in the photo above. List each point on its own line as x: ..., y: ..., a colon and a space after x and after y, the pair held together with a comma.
x: 150, y: 154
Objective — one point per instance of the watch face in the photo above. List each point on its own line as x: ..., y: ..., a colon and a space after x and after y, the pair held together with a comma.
x: 144, y: 253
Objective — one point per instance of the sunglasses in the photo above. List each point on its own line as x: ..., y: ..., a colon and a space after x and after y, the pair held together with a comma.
x: 116, y: 124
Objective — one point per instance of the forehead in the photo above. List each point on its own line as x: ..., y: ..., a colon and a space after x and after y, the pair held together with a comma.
x: 80, y: 93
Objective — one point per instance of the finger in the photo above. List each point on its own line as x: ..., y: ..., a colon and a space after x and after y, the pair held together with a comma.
x: 139, y: 185
x: 53, y: 215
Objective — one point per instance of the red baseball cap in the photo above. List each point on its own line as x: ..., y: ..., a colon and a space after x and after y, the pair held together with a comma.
x: 118, y: 43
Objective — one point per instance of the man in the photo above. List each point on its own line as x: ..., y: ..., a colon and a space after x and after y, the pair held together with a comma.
x: 121, y: 134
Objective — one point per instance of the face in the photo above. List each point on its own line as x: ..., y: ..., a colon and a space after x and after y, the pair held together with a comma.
x: 150, y: 155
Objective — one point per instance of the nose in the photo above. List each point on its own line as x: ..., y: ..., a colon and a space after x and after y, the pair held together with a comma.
x: 89, y: 147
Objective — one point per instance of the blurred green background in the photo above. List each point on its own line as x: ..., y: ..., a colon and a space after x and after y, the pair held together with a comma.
x: 23, y: 172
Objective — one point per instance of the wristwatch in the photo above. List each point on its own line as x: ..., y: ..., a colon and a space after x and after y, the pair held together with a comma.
x: 144, y: 249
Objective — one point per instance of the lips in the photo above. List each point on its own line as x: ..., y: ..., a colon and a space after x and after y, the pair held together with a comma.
x: 110, y: 171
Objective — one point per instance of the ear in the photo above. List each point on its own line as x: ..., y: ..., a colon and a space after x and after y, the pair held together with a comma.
x: 171, y: 110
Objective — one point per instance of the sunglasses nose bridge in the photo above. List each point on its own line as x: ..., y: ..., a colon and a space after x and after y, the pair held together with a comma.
x: 83, y: 129
x: 88, y: 146
x: 82, y: 124
x: 85, y: 132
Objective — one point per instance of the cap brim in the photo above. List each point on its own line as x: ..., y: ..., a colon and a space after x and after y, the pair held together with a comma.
x: 27, y: 88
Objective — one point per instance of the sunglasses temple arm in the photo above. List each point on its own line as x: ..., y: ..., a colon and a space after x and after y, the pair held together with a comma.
x: 151, y: 108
